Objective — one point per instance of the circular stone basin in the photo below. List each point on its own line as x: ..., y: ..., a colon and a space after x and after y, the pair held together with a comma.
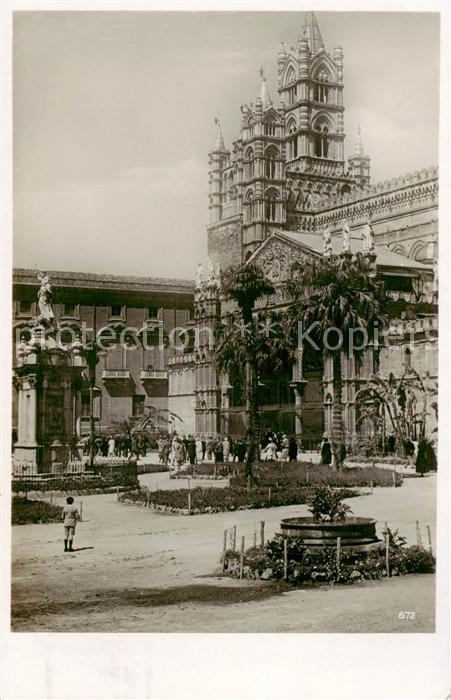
x: 354, y: 532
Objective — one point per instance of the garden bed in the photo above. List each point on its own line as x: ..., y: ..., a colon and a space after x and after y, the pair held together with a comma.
x: 25, y: 511
x: 80, y: 484
x: 307, y: 474
x: 151, y: 468
x: 213, y: 500
x: 304, y: 565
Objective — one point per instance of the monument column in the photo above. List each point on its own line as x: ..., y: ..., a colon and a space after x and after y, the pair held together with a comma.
x: 298, y: 385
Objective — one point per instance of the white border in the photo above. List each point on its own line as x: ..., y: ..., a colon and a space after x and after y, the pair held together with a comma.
x: 226, y: 666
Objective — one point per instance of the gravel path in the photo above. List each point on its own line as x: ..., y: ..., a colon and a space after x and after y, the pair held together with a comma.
x: 138, y: 570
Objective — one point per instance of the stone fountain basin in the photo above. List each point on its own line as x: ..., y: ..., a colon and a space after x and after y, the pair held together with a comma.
x: 354, y: 532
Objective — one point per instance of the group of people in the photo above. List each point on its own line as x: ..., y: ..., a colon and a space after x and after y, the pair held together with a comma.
x: 119, y: 445
x: 175, y: 451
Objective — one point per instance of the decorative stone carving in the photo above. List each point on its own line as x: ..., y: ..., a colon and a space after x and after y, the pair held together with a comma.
x: 277, y: 258
x: 199, y: 276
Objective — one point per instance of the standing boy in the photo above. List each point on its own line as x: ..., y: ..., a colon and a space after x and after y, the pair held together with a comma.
x: 70, y: 517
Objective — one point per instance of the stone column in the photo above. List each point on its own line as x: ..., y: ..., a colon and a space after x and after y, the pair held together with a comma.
x: 298, y: 385
x: 32, y: 412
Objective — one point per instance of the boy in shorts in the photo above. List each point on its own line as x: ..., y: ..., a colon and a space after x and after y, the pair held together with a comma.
x: 70, y: 516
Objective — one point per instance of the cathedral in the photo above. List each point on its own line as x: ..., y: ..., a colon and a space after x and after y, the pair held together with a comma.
x: 284, y: 182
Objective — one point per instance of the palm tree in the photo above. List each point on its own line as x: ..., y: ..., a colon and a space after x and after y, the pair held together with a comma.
x: 336, y: 295
x: 245, y: 343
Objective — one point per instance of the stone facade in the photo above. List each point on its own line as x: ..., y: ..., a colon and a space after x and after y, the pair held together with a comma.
x: 272, y: 195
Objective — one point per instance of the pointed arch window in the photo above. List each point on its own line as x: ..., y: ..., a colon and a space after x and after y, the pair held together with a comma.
x: 271, y: 205
x: 249, y: 164
x: 250, y: 206
x: 321, y: 141
x: 271, y: 156
x: 292, y: 141
x: 321, y: 91
x: 269, y: 127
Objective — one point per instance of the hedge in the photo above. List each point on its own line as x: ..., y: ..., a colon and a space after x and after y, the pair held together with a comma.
x: 25, y: 511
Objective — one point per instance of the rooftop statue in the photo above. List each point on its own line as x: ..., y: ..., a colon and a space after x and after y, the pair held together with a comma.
x: 346, y: 238
x: 368, y: 238
x: 45, y: 298
x: 327, y: 243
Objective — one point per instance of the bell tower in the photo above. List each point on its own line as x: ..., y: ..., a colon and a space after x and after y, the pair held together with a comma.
x: 311, y: 88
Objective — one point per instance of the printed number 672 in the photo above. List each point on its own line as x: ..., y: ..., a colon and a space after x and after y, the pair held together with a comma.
x: 406, y: 615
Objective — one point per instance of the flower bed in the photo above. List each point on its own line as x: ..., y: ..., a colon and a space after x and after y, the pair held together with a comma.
x: 361, y: 459
x: 214, y: 500
x: 321, y: 565
x: 25, y: 511
x: 306, y: 474
x: 74, y: 483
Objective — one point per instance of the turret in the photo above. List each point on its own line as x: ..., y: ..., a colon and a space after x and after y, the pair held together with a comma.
x: 218, y: 159
x: 359, y: 163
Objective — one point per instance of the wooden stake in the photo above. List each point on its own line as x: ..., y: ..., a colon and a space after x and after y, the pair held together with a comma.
x: 429, y: 538
x: 387, y: 554
x: 189, y: 502
x: 234, y: 538
x: 419, y: 541
x: 216, y: 471
x: 285, y: 558
x: 189, y: 485
x: 372, y: 489
x: 338, y: 550
x: 262, y: 534
x: 248, y: 484
x: 148, y: 500
x: 117, y: 493
x: 269, y: 494
x: 394, y: 478
x: 241, y: 557
x: 255, y: 539
x: 307, y: 476
x: 81, y: 511
x: 51, y: 498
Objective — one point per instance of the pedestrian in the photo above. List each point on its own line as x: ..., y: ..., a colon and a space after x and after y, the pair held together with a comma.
x: 111, y: 446
x: 285, y: 444
x: 199, y: 450
x: 226, y: 449
x: 210, y: 449
x: 204, y: 448
x: 326, y: 451
x: 70, y: 517
x: 409, y: 449
x: 292, y: 449
x: 191, y: 450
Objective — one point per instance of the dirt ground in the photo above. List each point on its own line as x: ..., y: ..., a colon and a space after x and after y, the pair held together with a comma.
x: 135, y: 570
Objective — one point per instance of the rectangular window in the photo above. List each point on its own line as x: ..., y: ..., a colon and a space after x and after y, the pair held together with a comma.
x: 85, y: 405
x: 116, y: 310
x: 138, y: 405
x: 152, y: 311
x: 25, y: 307
x: 69, y: 309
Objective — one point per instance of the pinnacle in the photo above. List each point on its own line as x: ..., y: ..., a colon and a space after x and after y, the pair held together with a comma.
x: 311, y: 33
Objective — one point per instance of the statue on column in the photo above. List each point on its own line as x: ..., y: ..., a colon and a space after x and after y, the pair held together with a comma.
x: 346, y: 238
x: 45, y: 298
x: 368, y: 238
x: 327, y: 243
x: 210, y: 272
x: 218, y: 275
x: 199, y: 276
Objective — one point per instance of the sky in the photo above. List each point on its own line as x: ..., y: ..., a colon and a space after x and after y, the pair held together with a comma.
x: 113, y: 119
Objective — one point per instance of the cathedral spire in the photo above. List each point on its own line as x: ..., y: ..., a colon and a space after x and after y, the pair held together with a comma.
x: 264, y: 93
x: 358, y: 149
x: 219, y: 144
x: 310, y: 32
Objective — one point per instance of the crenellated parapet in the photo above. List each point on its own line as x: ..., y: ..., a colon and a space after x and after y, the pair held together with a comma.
x: 390, y: 196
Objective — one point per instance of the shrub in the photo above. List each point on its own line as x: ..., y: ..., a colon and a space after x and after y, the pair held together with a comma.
x: 327, y: 505
x: 25, y: 511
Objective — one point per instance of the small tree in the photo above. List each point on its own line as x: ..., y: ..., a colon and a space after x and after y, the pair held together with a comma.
x: 246, y: 341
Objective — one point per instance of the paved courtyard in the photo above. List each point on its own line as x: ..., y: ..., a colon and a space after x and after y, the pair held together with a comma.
x: 135, y: 570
